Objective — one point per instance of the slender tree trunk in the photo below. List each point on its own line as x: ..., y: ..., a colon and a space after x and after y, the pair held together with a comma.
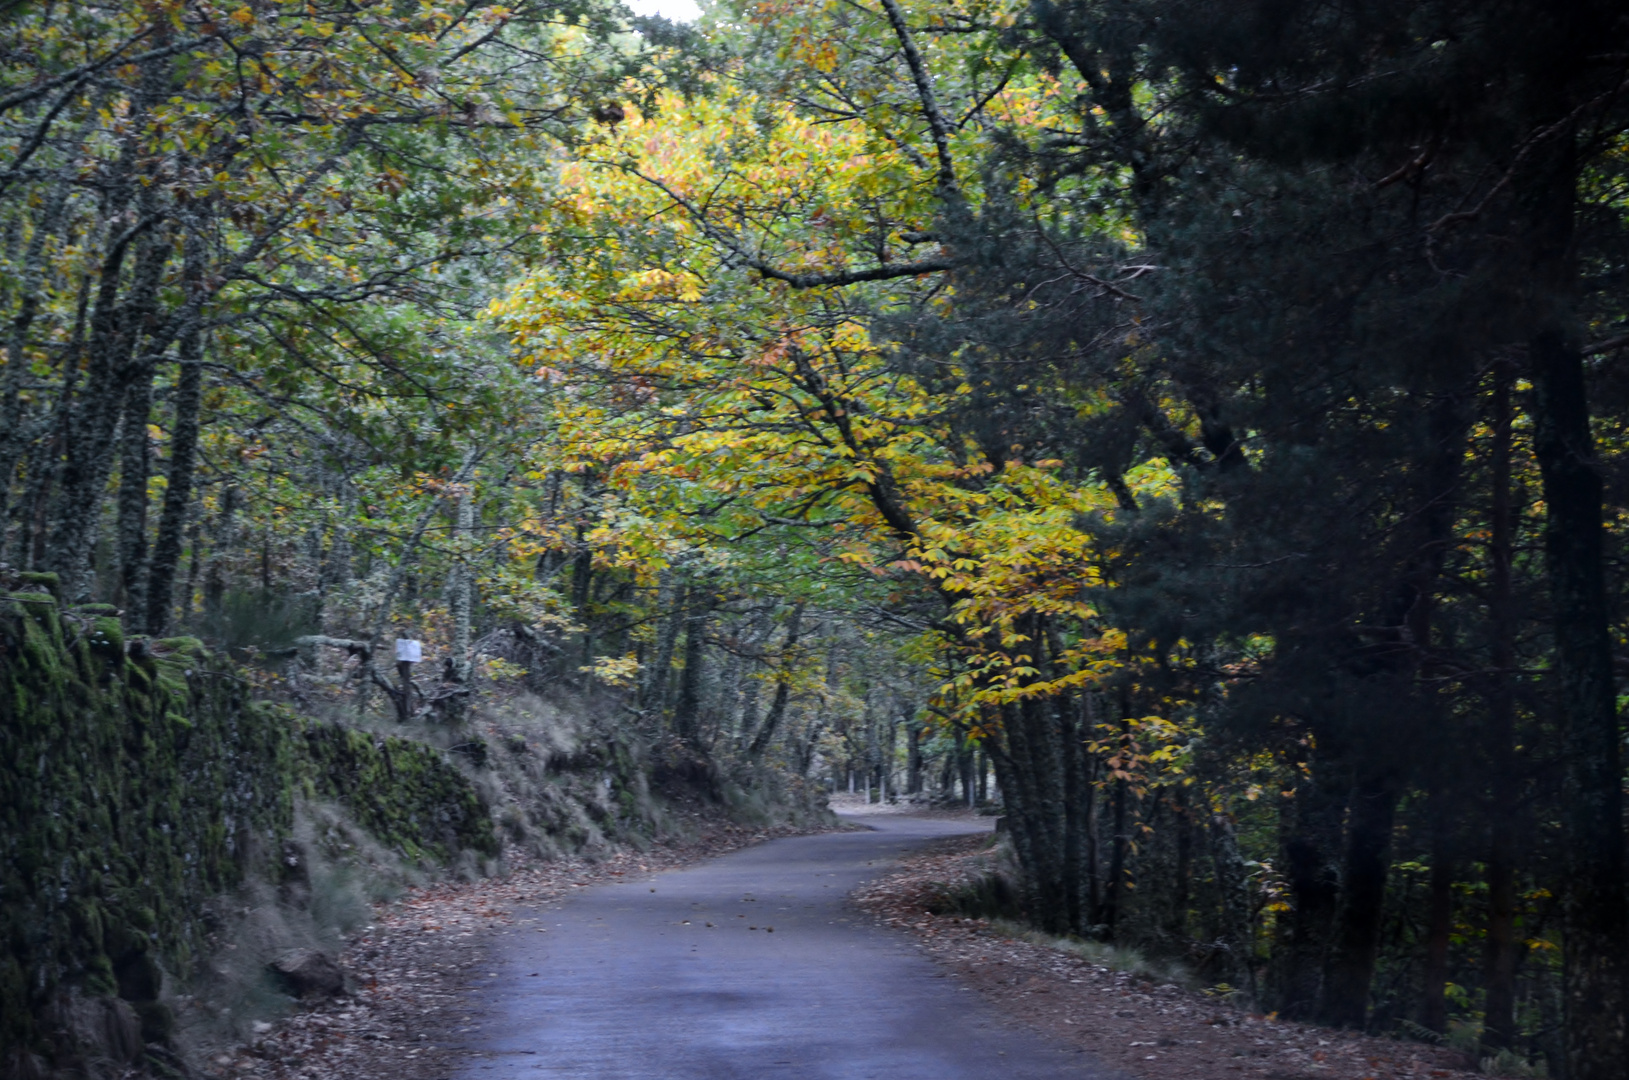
x: 461, y: 605
x: 172, y: 520
x: 30, y: 286
x: 1439, y: 919
x: 913, y: 758
x: 45, y: 462
x: 783, y: 686
x: 116, y: 327
x: 687, y: 706
x: 1312, y: 837
x: 1093, y: 855
x: 463, y: 592
x: 582, y: 580
x: 1115, y: 883
x: 1232, y: 883
x: 225, y: 537
x: 1182, y: 820
x: 1075, y: 803
x: 1355, y: 944
x: 135, y: 469
x: 670, y: 597
x: 1499, y: 956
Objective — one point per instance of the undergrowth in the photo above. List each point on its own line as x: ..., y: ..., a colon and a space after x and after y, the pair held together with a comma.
x: 1100, y: 954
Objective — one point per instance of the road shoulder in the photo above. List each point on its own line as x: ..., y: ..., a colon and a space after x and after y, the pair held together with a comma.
x: 1146, y: 1029
x: 411, y: 970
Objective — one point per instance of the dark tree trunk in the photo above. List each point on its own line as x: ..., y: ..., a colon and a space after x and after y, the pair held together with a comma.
x: 687, y: 706
x: 189, y: 392
x: 44, y: 465
x: 1051, y: 884
x: 1500, y: 954
x: 1075, y: 809
x: 1596, y: 927
x: 1595, y: 932
x: 225, y: 536
x: 1233, y: 885
x: 1115, y: 879
x: 1356, y: 938
x: 582, y: 580
x: 653, y: 687
x: 1439, y: 920
x: 1596, y: 920
x: 913, y: 758
x: 1026, y: 813
x: 1311, y: 840
x: 783, y: 685
x: 135, y: 469
x: 1176, y: 925
x: 1092, y: 855
x: 116, y: 327
x: 14, y: 433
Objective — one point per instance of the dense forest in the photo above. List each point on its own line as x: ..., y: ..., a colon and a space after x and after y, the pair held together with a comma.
x: 1199, y: 425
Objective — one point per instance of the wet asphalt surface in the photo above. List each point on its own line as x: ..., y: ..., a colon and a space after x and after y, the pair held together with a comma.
x: 631, y: 983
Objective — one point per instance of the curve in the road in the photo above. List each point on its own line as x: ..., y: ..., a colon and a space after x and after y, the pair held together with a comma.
x: 680, y: 977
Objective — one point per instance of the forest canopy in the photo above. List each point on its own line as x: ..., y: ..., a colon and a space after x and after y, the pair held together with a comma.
x: 1205, y: 415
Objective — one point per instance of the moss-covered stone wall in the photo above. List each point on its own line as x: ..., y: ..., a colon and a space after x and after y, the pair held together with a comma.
x: 403, y: 792
x: 138, y: 780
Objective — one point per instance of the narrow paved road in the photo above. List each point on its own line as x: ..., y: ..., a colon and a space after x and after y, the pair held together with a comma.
x: 680, y: 977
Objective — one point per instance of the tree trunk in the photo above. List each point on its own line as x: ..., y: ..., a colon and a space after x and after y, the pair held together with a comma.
x: 463, y: 598
x: 1439, y: 920
x: 653, y: 687
x: 45, y: 464
x: 461, y: 605
x: 35, y: 264
x: 1176, y: 925
x: 1500, y: 954
x: 1115, y: 880
x: 687, y: 706
x: 1596, y: 926
x: 783, y: 685
x: 189, y: 392
x: 1076, y: 803
x: 1232, y: 883
x: 1355, y: 943
x: 1595, y: 937
x: 1312, y: 836
x: 1050, y: 884
x: 913, y: 758
x: 135, y: 469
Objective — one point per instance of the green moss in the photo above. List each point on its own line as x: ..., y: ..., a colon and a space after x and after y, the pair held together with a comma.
x: 133, y: 790
x: 47, y: 581
x: 184, y: 646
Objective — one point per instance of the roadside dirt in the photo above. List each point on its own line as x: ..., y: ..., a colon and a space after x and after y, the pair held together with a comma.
x: 408, y: 969
x: 1150, y: 1031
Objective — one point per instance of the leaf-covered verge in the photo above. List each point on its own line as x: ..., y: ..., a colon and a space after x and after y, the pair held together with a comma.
x: 1134, y: 1013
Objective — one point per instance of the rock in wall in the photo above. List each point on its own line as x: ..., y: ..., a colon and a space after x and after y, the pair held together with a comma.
x: 137, y: 781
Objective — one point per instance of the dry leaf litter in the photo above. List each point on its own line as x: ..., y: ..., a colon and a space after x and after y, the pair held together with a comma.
x: 1125, y: 1021
x: 412, y: 971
